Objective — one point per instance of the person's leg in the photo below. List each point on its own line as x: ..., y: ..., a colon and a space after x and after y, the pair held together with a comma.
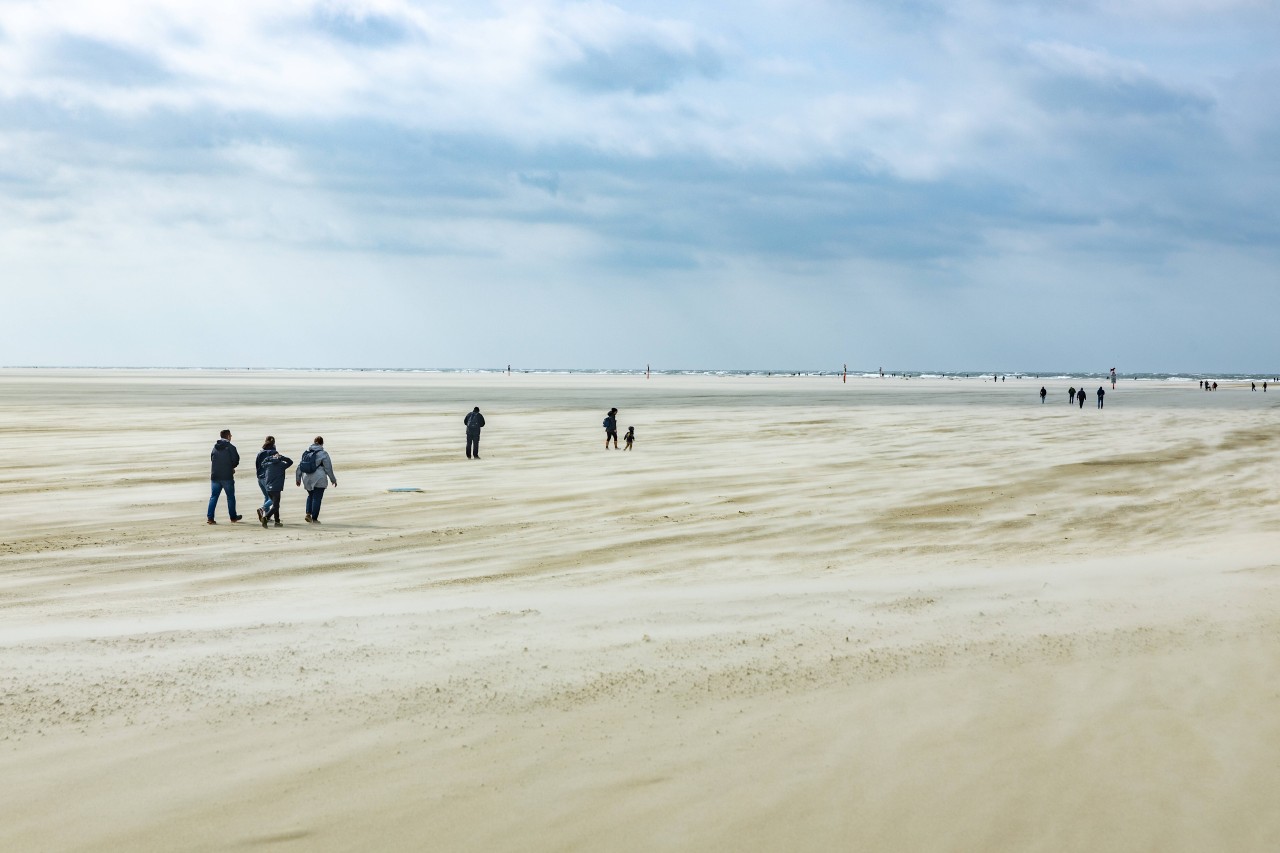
x: 470, y: 442
x: 275, y: 506
x: 230, y: 488
x: 475, y: 447
x: 311, y: 502
x: 215, y: 489
x: 318, y: 496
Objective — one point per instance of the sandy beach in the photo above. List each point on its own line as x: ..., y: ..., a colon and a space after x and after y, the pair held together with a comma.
x: 800, y: 615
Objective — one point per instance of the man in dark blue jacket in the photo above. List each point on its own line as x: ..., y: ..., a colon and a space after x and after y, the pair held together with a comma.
x: 222, y: 475
x: 273, y: 468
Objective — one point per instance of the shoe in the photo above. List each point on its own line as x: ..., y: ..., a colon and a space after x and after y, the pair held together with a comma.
x: 315, y: 520
x: 210, y: 521
x: 236, y: 518
x: 278, y: 524
x: 309, y: 518
x: 262, y: 516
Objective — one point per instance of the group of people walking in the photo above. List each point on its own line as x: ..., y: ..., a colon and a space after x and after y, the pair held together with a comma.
x: 314, y: 473
x: 1076, y: 396
x: 315, y: 469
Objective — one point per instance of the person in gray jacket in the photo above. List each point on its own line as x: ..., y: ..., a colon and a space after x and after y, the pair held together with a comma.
x: 475, y: 422
x: 315, y: 472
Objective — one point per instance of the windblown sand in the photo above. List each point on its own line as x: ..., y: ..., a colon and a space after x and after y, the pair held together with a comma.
x: 800, y: 615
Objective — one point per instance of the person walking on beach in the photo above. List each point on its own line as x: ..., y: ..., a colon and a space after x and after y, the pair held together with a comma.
x: 1071, y: 395
x: 629, y: 438
x: 1043, y: 394
x: 222, y: 476
x: 268, y: 448
x: 611, y: 428
x: 315, y: 472
x: 1101, y: 394
x: 1080, y: 395
x: 273, y: 468
x: 475, y: 422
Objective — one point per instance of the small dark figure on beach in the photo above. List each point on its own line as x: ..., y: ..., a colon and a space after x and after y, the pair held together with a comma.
x: 1101, y: 394
x: 1043, y: 394
x: 223, y: 460
x: 629, y: 438
x: 611, y: 428
x: 475, y: 422
x: 1071, y: 395
x: 1215, y: 386
x: 273, y: 468
x: 1080, y: 395
x: 1253, y: 386
x: 1264, y: 386
x: 314, y: 472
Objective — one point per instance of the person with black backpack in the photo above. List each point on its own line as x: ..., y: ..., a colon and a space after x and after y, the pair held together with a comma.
x: 315, y: 472
x: 475, y: 422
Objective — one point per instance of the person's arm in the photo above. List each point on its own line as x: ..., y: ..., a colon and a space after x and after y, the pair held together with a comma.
x: 328, y: 469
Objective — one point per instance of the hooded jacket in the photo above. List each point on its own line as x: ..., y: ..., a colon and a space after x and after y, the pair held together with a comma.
x: 262, y: 454
x: 319, y: 478
x: 474, y: 422
x: 223, y: 460
x: 273, y: 468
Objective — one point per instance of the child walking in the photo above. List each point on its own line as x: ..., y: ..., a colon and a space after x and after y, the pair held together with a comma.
x: 630, y: 437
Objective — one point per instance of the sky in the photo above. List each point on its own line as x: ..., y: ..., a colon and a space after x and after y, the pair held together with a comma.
x: 986, y: 185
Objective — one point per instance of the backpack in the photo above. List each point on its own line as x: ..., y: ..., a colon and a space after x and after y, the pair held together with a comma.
x: 307, y: 464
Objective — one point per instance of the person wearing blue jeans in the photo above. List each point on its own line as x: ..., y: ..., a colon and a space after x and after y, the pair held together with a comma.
x: 268, y: 450
x: 315, y: 472
x: 222, y: 476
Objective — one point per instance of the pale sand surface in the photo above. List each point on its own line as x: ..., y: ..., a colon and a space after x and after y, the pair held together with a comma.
x: 801, y: 615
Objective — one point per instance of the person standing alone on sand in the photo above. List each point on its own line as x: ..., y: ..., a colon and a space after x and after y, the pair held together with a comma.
x: 273, y: 468
x: 1101, y: 394
x: 611, y: 428
x: 222, y: 476
x: 314, y: 471
x: 475, y: 422
x: 1043, y: 394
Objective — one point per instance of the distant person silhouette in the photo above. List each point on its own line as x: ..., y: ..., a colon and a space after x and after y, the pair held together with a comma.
x: 1071, y: 395
x: 1080, y: 395
x: 1043, y: 394
x: 1101, y: 394
x: 629, y: 438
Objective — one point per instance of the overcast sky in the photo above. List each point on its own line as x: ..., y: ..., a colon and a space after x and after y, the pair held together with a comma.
x: 969, y: 185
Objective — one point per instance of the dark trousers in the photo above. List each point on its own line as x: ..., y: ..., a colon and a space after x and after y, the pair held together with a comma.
x: 273, y: 500
x: 217, y: 487
x: 266, y: 496
x: 314, y: 497
x: 473, y: 445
